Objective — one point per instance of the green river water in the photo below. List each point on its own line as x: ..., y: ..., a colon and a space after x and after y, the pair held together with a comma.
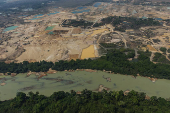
x: 78, y: 81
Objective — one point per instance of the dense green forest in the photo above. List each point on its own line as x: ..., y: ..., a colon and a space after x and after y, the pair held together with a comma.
x: 146, y: 53
x: 160, y: 58
x: 123, y: 23
x: 108, y: 45
x: 163, y: 49
x: 116, y: 60
x: 86, y: 102
x: 82, y: 23
x: 120, y: 23
x: 168, y: 50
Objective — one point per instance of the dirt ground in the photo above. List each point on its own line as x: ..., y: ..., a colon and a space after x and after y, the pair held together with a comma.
x: 88, y: 52
x: 151, y: 48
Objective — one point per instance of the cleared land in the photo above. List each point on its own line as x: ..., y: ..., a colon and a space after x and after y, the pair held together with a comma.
x: 151, y: 48
x: 98, y: 31
x: 88, y: 52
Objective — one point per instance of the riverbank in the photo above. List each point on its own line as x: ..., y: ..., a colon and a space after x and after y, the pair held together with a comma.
x: 42, y: 74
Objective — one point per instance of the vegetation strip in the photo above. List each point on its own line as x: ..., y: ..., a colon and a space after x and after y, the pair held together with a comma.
x: 85, y: 102
x: 115, y: 61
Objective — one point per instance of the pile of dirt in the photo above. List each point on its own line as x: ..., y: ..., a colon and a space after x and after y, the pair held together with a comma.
x: 41, y: 74
x: 126, y: 92
x: 51, y: 71
x: 1, y: 74
x: 32, y: 60
x: 101, y: 88
x: 2, y: 84
x: 13, y: 74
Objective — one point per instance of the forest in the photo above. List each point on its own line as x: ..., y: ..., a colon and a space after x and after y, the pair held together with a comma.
x: 116, y: 60
x: 120, y: 23
x: 123, y: 23
x: 160, y: 58
x: 82, y: 23
x: 86, y: 102
x: 108, y: 45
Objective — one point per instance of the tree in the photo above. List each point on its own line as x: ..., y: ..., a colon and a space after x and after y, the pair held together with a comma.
x: 163, y: 49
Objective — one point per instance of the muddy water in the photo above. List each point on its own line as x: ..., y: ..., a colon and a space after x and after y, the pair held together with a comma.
x: 79, y: 80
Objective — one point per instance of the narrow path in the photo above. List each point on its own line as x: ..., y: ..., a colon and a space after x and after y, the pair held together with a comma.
x: 136, y: 53
x: 123, y: 39
x: 152, y: 56
x: 96, y: 22
x: 167, y: 54
x: 96, y: 51
x: 167, y: 57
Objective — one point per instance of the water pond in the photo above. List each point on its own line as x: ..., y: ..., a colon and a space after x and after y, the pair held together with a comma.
x: 81, y: 7
x: 10, y: 28
x: 53, y: 13
x: 51, y: 33
x: 49, y: 28
x: 97, y: 4
x: 79, y: 80
x: 38, y: 15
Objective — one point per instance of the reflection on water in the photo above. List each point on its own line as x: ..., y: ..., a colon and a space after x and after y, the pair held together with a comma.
x: 79, y: 80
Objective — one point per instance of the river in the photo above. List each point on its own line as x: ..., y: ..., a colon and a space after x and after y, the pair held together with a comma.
x: 79, y: 80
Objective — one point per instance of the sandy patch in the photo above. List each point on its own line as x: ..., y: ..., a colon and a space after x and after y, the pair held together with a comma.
x: 98, y: 31
x: 2, y: 84
x: 73, y: 56
x: 88, y: 52
x: 151, y: 48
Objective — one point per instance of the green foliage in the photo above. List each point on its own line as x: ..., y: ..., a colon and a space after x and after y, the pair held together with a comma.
x: 122, y: 29
x: 25, y: 67
x: 87, y: 102
x: 168, y: 50
x: 115, y: 60
x: 163, y: 49
x: 146, y: 53
x: 108, y: 45
x: 123, y: 23
x: 82, y: 23
x: 160, y: 58
x: 131, y: 54
x: 120, y: 23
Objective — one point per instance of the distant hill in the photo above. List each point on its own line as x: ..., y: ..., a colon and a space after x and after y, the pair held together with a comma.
x: 154, y: 0
x: 161, y: 0
x: 59, y: 3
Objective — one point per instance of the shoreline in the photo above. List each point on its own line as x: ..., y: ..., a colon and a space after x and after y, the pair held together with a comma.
x: 42, y: 74
x: 109, y: 83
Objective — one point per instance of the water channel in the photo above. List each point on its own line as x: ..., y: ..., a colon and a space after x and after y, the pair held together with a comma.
x: 79, y: 80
